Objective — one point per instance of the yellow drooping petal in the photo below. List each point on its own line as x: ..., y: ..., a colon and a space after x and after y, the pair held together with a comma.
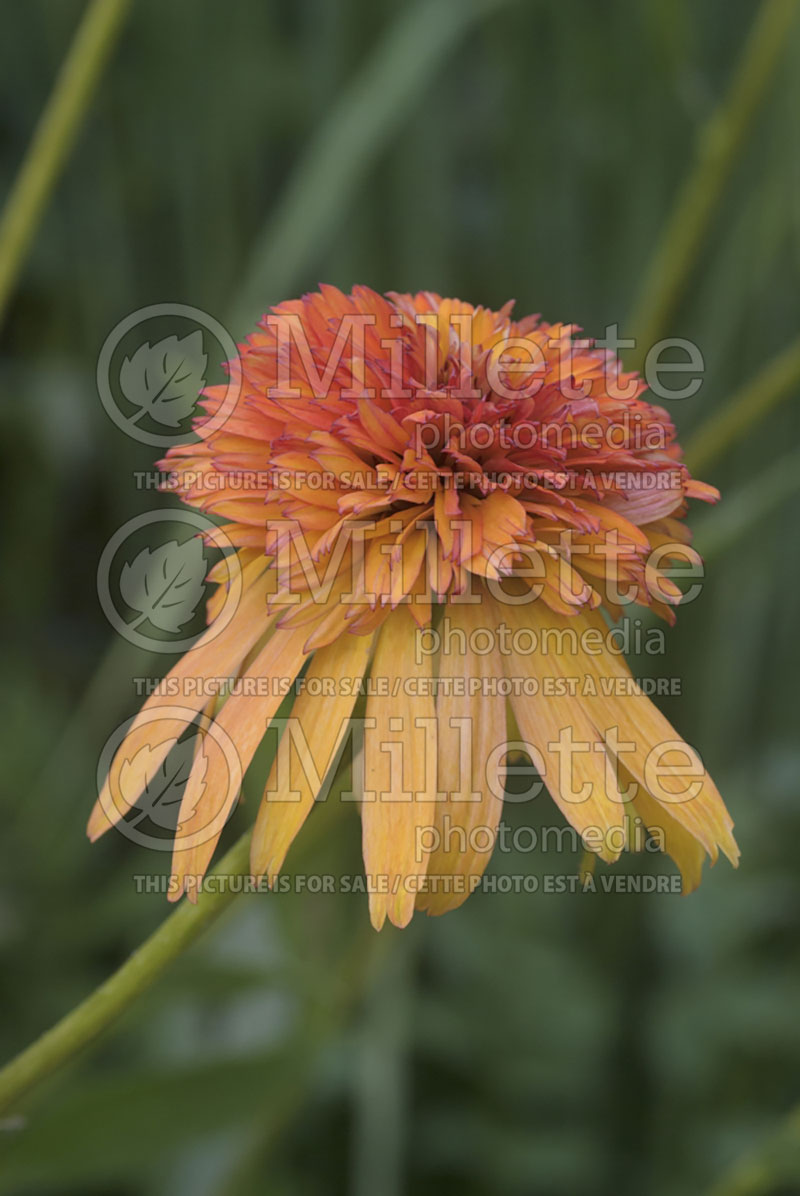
x: 399, y: 798
x: 320, y: 718
x: 471, y: 717
x: 608, y: 708
x: 170, y: 711
x: 563, y: 743
x: 646, y: 743
x: 209, y: 796
x: 687, y: 852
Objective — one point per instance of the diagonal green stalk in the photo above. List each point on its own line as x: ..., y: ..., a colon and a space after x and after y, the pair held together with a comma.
x: 55, y: 134
x: 87, y: 1020
x: 370, y: 110
x: 717, y: 532
x: 720, y: 143
x: 779, y: 379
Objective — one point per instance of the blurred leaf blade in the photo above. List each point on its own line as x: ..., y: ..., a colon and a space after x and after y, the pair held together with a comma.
x: 777, y: 381
x: 59, y: 125
x: 334, y: 163
x: 721, y: 142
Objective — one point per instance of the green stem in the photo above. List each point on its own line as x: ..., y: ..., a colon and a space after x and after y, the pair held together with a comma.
x: 55, y: 135
x: 99, y: 1010
x: 720, y: 143
x: 779, y: 379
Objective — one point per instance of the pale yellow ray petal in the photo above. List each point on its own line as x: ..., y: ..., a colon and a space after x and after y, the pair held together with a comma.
x: 687, y: 852
x: 398, y: 802
x: 209, y: 795
x: 471, y: 727
x: 218, y: 654
x: 646, y: 743
x: 310, y: 746
x: 564, y: 745
x: 471, y: 724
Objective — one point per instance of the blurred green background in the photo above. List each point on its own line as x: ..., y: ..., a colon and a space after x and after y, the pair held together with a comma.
x: 235, y: 154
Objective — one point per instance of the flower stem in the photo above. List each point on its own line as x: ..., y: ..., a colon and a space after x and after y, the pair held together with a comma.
x: 55, y: 135
x: 87, y: 1020
x: 779, y: 378
x: 720, y: 143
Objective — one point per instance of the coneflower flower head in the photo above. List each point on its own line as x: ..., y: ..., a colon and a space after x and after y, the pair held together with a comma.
x: 442, y: 500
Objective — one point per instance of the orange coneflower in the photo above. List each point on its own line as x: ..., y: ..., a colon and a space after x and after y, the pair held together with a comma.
x: 441, y: 500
